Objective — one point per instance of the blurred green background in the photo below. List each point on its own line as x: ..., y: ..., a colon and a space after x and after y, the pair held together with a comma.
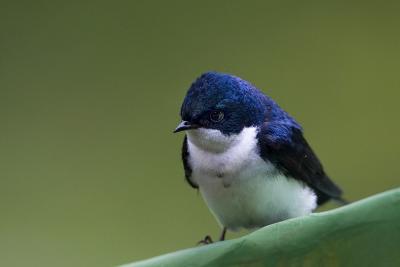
x: 90, y: 92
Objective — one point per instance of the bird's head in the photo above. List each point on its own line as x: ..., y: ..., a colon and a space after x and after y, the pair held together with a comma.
x: 218, y: 106
x: 222, y: 102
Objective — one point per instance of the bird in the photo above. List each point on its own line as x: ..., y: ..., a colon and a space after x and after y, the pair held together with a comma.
x: 248, y: 157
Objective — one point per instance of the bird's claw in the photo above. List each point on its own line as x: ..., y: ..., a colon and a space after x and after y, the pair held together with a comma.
x: 207, y: 240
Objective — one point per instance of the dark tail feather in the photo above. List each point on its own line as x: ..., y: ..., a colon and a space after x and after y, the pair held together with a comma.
x: 341, y: 201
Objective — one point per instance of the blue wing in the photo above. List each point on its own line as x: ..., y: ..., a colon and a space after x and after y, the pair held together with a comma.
x: 284, y: 145
x: 186, y: 165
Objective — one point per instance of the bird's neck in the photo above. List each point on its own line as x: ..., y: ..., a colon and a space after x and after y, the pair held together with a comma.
x: 214, y: 141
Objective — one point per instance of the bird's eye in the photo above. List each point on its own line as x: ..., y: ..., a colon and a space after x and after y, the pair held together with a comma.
x: 216, y: 116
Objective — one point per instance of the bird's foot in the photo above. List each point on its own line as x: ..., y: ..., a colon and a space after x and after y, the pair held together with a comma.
x: 207, y: 240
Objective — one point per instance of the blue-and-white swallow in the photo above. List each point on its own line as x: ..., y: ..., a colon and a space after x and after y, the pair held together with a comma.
x: 247, y: 156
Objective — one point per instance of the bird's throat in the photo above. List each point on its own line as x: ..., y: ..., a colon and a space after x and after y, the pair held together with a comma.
x: 214, y: 141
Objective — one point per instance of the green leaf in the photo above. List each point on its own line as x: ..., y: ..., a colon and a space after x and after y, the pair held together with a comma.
x: 364, y: 233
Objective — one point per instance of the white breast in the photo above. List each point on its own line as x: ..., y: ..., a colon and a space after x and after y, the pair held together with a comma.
x: 239, y: 187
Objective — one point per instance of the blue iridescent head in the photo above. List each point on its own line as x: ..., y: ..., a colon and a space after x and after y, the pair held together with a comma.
x: 223, y: 102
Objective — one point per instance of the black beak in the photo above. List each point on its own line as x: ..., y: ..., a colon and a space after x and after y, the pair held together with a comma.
x: 185, y: 125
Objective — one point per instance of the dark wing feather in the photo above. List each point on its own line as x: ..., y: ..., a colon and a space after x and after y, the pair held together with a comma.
x: 285, y: 147
x: 186, y: 165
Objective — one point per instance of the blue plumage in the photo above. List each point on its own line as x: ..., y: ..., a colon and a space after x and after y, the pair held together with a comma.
x: 244, y: 103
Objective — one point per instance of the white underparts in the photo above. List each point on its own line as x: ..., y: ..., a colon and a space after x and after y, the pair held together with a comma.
x: 241, y: 189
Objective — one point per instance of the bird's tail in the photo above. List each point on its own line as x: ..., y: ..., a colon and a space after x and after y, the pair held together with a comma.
x: 341, y: 201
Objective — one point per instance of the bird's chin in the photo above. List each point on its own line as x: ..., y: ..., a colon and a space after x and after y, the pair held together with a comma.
x: 211, y: 140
